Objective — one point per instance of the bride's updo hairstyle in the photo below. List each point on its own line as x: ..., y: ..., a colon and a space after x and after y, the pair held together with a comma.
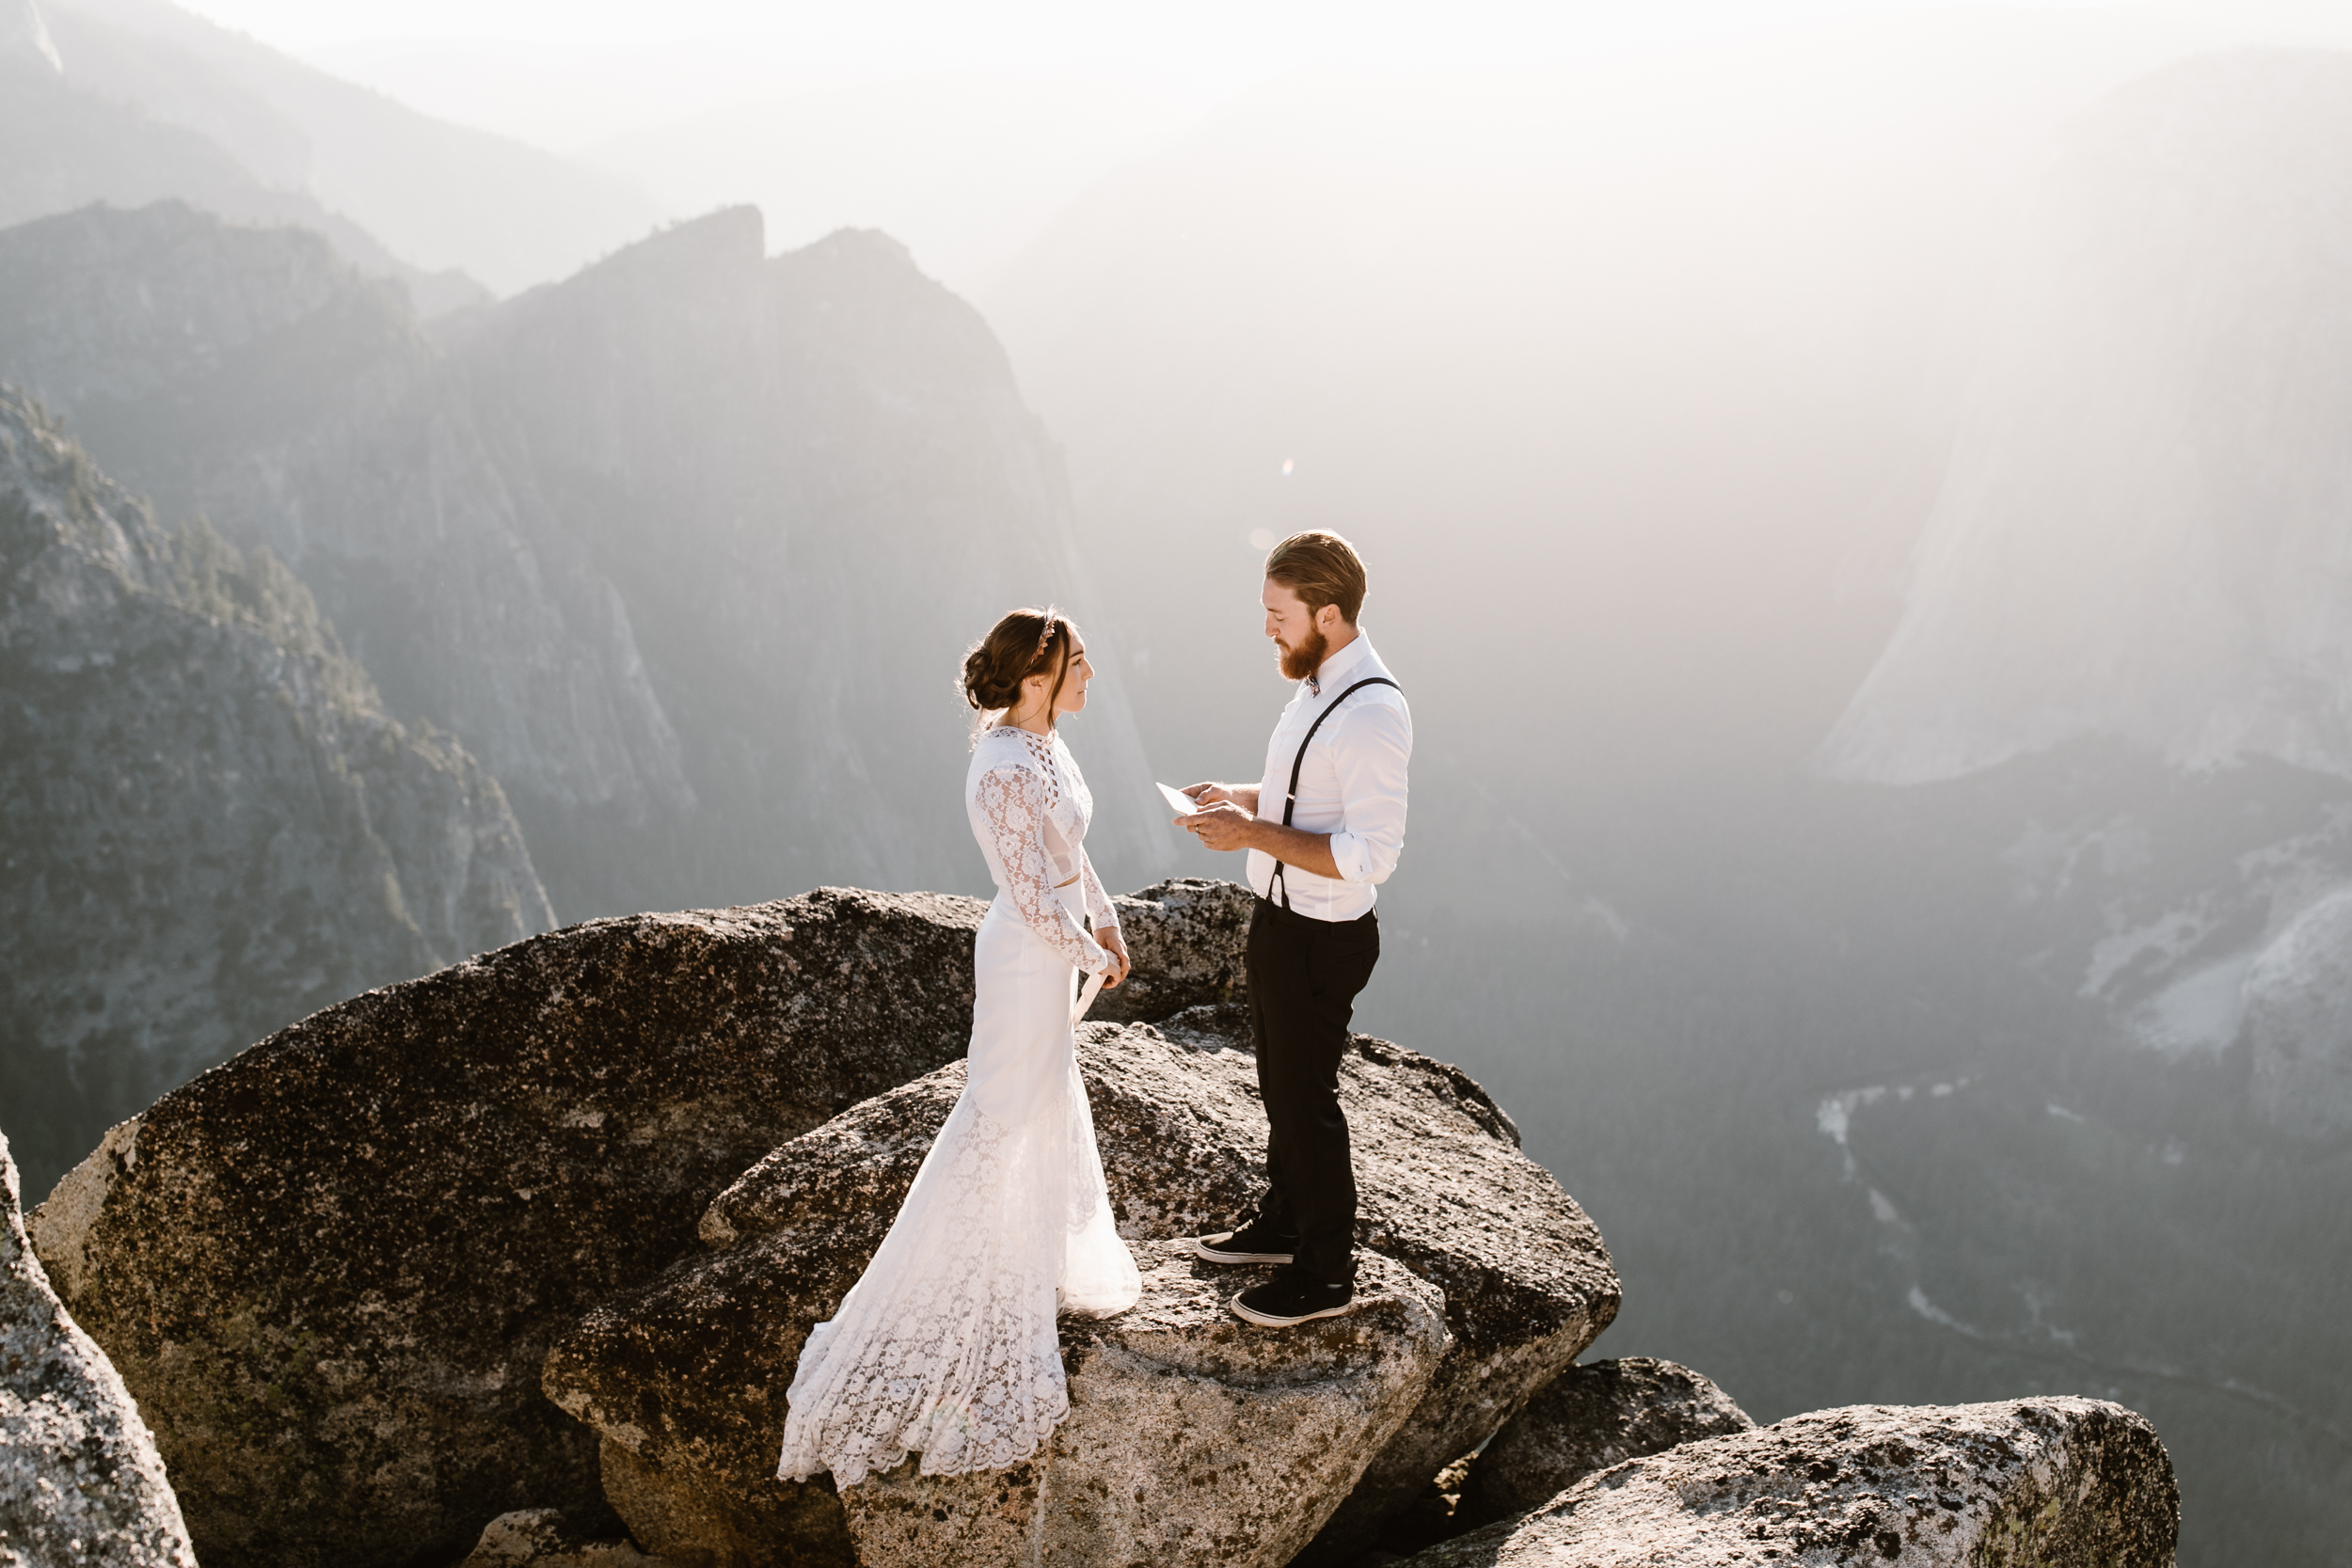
x: 1026, y: 643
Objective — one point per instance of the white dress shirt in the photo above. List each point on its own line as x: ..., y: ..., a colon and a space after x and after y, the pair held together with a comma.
x: 1351, y: 786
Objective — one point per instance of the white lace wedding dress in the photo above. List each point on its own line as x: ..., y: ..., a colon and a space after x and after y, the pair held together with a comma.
x: 947, y: 1344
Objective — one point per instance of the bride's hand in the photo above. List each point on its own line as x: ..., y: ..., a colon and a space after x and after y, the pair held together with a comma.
x: 1116, y: 945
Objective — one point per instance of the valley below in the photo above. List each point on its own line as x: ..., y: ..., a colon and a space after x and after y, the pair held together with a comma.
x: 1860, y: 1127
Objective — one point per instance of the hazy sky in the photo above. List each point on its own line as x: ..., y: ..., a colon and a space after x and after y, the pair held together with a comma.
x: 965, y: 128
x: 1210, y: 44
x: 570, y: 73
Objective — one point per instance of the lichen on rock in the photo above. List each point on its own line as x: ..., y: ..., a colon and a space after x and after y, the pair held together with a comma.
x: 80, y: 1480
x: 1589, y: 1418
x: 549, y: 1537
x: 1185, y: 936
x: 2055, y: 1482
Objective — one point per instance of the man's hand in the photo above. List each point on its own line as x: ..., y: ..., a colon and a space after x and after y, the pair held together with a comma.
x: 1116, y: 945
x: 1227, y: 817
x: 1222, y: 825
x: 1244, y: 796
x: 1226, y: 826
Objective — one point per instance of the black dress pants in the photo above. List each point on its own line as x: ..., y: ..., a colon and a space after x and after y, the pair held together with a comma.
x: 1303, y: 975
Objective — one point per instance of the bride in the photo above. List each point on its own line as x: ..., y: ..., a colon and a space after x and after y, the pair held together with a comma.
x: 947, y: 1344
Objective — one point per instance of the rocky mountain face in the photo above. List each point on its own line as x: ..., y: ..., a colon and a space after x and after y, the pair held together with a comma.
x: 2299, y: 1022
x: 685, y: 548
x: 2142, y: 531
x: 25, y: 40
x: 813, y: 482
x: 209, y: 823
x: 246, y: 376
x: 492, y: 1258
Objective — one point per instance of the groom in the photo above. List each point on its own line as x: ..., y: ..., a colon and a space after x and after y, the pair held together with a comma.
x: 1323, y: 827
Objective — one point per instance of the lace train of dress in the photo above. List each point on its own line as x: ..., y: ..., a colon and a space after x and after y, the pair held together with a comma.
x: 947, y: 1344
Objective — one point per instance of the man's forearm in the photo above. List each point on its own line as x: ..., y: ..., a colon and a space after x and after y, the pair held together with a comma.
x: 1296, y: 846
x: 1244, y: 796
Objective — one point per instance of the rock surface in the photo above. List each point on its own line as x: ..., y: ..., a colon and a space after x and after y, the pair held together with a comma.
x: 1187, y: 937
x: 2298, y: 1020
x: 687, y: 1378
x: 1193, y: 1439
x: 548, y: 1538
x: 80, y: 1480
x: 1442, y: 1189
x: 2045, y: 1482
x: 1587, y: 1418
x: 208, y: 821
x: 331, y: 1267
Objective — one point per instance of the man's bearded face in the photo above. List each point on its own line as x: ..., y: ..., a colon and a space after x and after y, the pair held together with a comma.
x: 1305, y: 658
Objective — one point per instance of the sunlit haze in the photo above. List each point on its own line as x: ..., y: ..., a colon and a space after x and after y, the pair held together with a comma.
x: 962, y: 129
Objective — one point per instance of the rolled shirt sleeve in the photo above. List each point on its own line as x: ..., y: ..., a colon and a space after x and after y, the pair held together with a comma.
x: 1372, y: 760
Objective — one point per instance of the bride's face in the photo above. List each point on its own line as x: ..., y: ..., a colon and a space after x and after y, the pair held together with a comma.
x: 1074, y: 685
x: 1078, y: 674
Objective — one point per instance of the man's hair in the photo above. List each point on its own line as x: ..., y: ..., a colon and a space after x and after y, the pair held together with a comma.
x: 1321, y: 568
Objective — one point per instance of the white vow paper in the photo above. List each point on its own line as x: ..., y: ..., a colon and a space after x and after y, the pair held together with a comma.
x: 1087, y: 995
x: 1178, y: 799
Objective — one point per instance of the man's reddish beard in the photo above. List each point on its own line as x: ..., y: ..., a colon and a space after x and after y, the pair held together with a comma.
x: 1307, y: 657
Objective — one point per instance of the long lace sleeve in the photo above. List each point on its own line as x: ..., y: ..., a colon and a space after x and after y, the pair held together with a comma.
x: 1100, y: 910
x: 1013, y: 799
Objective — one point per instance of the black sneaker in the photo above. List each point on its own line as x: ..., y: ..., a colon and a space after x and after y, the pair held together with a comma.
x: 1256, y: 1242
x: 1290, y: 1297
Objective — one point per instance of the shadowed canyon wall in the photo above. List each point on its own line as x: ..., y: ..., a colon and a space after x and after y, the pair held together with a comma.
x: 210, y: 821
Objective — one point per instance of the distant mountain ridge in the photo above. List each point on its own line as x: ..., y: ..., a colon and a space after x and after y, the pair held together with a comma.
x: 247, y: 376
x: 130, y: 100
x: 63, y: 146
x: 686, y: 549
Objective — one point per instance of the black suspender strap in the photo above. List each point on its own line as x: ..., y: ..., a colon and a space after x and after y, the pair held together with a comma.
x: 1291, y: 800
